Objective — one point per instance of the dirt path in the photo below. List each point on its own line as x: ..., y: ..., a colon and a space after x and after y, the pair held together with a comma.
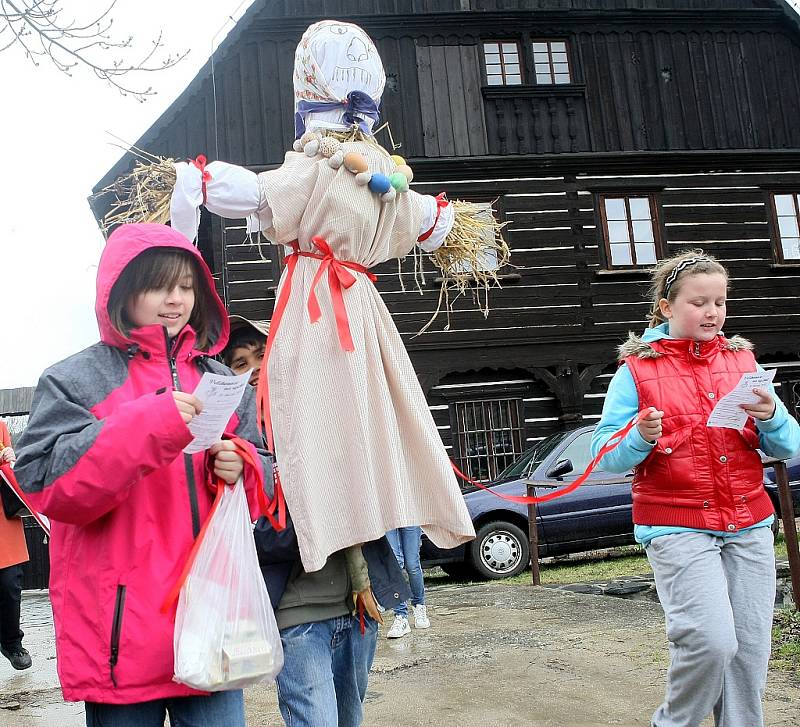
x: 496, y: 656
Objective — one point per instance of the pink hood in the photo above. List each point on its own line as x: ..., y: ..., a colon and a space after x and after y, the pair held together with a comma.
x: 123, y: 245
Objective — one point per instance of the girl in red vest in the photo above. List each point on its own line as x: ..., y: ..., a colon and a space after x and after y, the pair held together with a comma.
x: 699, y: 505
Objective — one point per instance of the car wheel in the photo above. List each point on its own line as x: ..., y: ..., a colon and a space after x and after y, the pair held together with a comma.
x: 500, y: 550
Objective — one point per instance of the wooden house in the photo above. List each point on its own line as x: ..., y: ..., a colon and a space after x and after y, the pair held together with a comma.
x: 610, y: 133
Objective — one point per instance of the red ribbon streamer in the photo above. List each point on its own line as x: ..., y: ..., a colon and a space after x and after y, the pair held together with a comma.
x: 441, y: 203
x: 11, y: 481
x: 200, y: 162
x: 339, y: 277
x: 219, y: 484
x: 613, y: 442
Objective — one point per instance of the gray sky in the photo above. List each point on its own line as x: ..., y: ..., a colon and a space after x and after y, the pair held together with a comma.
x: 54, y: 149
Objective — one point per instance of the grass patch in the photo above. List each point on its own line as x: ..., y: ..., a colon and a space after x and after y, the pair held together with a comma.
x: 786, y: 641
x: 606, y: 565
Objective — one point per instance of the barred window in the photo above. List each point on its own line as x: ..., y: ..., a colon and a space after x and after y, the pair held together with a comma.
x: 16, y: 425
x: 630, y: 230
x: 502, y: 63
x: 551, y: 62
x: 489, y: 434
x: 786, y: 210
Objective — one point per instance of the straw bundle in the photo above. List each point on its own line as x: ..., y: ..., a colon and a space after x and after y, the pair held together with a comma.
x: 142, y: 195
x: 474, y: 241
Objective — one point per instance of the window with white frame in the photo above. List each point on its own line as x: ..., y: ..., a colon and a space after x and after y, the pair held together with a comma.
x: 630, y: 230
x: 502, y: 63
x: 551, y: 62
x: 490, y: 436
x: 786, y: 208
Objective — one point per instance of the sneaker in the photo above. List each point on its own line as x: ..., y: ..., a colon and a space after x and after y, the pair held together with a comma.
x: 399, y: 628
x: 18, y: 656
x: 421, y: 620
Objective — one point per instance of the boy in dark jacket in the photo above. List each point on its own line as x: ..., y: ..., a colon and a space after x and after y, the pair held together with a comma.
x: 328, y: 651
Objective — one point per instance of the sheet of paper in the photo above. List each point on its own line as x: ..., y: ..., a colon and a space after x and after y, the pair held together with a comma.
x: 727, y: 413
x: 220, y: 395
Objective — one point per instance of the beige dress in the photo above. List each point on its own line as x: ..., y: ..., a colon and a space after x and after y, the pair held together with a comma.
x: 358, y: 451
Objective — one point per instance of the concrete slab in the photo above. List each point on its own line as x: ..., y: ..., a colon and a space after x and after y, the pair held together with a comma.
x: 496, y: 655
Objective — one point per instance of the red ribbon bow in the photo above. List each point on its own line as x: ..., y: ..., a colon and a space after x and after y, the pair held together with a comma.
x: 200, y: 162
x: 339, y: 277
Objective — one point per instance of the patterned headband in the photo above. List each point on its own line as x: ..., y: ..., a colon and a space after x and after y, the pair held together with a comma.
x: 677, y: 270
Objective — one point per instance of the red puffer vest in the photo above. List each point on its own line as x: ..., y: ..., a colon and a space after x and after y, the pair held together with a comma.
x: 697, y: 476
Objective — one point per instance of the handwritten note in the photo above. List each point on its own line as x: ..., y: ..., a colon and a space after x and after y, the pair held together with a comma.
x: 220, y: 395
x: 728, y: 412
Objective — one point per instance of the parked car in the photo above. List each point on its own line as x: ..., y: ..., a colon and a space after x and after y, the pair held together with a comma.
x: 596, y: 515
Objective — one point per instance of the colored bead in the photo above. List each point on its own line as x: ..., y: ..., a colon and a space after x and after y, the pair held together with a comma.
x: 312, y: 148
x: 379, y: 183
x: 399, y: 182
x: 355, y: 162
x: 363, y: 178
x: 336, y: 160
x: 405, y: 169
x: 397, y: 159
x: 329, y: 146
x: 389, y: 196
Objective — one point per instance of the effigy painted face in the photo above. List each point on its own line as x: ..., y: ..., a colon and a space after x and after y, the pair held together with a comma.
x: 334, y: 58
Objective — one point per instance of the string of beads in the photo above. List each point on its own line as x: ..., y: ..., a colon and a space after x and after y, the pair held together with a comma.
x: 386, y: 186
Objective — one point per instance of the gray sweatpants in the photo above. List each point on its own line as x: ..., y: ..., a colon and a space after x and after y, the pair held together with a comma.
x: 718, y: 596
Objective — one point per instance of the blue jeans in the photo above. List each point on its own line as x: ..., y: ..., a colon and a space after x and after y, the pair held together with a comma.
x: 216, y: 709
x: 325, y: 670
x: 405, y: 543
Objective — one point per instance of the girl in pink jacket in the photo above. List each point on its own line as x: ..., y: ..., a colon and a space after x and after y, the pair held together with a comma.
x: 103, y: 458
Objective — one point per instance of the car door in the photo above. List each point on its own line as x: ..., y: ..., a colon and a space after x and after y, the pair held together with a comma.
x: 597, y: 514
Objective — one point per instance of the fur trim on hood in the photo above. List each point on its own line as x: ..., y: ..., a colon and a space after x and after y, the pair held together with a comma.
x: 636, y: 346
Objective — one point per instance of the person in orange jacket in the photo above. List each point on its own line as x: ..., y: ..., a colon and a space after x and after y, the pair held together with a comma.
x: 13, y: 553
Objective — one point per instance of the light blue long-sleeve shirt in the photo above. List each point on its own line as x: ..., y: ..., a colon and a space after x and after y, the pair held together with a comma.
x: 779, y: 436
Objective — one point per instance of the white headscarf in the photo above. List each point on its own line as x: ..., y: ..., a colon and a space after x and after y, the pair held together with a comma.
x: 332, y: 59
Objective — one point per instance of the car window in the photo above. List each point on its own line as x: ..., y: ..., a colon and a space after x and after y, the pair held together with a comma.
x: 532, y: 457
x: 579, y: 452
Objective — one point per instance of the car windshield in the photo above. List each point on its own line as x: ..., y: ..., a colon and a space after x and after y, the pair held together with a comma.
x: 532, y: 457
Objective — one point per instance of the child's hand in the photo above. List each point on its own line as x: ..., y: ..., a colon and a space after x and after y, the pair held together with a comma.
x: 764, y: 408
x: 228, y: 463
x: 650, y: 426
x: 7, y: 455
x: 188, y: 405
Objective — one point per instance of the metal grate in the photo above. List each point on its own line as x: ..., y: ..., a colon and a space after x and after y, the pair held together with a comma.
x: 489, y: 435
x: 16, y: 425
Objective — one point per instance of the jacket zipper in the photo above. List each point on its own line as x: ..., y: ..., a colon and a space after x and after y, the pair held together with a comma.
x: 191, y: 483
x: 116, y: 630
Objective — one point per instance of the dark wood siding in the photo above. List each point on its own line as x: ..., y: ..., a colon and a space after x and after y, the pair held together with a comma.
x: 450, y: 103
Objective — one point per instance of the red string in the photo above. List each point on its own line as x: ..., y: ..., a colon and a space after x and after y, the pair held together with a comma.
x: 219, y: 484
x: 11, y: 481
x: 361, y: 622
x: 613, y: 442
x: 339, y: 277
x: 441, y: 203
x: 200, y: 162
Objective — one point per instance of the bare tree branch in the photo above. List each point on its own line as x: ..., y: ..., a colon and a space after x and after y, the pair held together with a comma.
x: 40, y: 28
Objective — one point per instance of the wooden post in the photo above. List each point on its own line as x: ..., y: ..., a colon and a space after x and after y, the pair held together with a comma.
x: 533, y: 537
x: 789, y: 528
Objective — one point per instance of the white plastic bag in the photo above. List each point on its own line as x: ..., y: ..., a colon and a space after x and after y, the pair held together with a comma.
x: 225, y: 631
